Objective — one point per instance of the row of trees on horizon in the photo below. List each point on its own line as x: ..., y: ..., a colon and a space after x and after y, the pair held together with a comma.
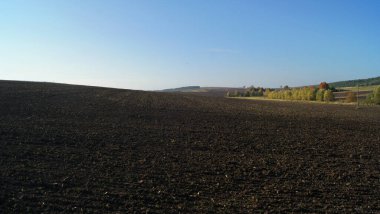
x: 324, y: 92
x: 249, y: 92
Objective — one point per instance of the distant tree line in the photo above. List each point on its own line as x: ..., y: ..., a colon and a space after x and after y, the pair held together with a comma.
x: 322, y: 93
x: 248, y: 92
x: 306, y: 93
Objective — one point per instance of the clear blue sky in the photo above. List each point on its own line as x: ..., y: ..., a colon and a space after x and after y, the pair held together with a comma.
x: 156, y: 44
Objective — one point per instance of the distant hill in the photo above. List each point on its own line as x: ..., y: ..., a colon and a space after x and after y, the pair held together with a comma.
x: 361, y: 82
x: 205, y: 91
x: 183, y: 89
x: 221, y: 91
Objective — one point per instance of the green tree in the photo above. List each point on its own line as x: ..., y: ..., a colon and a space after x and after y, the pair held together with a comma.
x: 267, y: 92
x: 260, y: 92
x: 376, y: 96
x: 288, y: 95
x: 328, y: 96
x: 312, y: 93
x: 319, y: 95
x: 370, y: 98
x: 296, y: 94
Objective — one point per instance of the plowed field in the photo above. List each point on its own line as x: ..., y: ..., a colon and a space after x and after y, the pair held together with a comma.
x: 67, y: 148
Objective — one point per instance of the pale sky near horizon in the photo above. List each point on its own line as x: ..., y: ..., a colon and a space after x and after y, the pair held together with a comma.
x: 157, y: 44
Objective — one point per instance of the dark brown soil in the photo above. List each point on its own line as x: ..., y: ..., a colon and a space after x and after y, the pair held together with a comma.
x: 71, y: 149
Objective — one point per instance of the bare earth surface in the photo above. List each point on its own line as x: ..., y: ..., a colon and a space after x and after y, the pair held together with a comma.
x: 84, y: 149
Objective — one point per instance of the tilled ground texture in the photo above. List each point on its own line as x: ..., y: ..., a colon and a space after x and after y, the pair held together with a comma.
x: 84, y: 149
